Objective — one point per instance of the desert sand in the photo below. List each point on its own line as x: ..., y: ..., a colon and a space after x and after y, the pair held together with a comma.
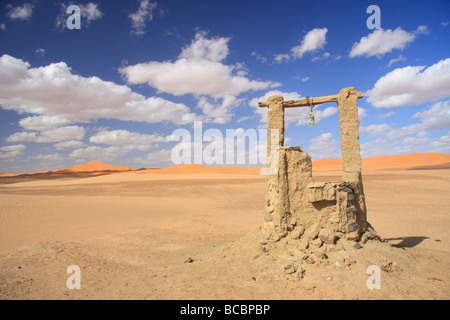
x: 189, y: 233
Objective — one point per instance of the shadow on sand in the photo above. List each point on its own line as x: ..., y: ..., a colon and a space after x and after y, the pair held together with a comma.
x: 407, y: 242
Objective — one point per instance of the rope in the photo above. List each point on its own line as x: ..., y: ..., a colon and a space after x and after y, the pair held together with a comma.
x: 312, y: 120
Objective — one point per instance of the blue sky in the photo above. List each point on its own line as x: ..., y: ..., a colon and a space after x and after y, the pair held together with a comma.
x: 115, y: 89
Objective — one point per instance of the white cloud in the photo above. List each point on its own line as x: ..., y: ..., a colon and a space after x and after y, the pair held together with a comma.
x: 259, y: 57
x: 9, y: 152
x: 131, y: 140
x: 22, y: 137
x: 3, y: 27
x: 386, y: 115
x: 61, y: 134
x: 90, y: 12
x: 48, y: 157
x: 377, y: 147
x: 198, y: 71
x: 143, y: 15
x: 437, y: 116
x: 403, y: 132
x: 375, y: 129
x: 54, y: 91
x: 411, y: 86
x: 218, y: 113
x: 381, y: 42
x: 392, y: 133
x: 362, y: 113
x: 313, y: 40
x: 399, y: 58
x: 40, y: 52
x: 280, y: 58
x: 324, y: 56
x: 99, y: 153
x: 23, y: 12
x: 161, y: 158
x: 414, y: 141
x: 442, y: 144
x: 43, y: 123
x: 71, y: 144
x: 202, y: 49
x: 324, y: 146
x: 49, y: 136
x: 422, y: 30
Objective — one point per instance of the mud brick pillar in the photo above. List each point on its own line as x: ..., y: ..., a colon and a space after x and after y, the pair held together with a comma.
x: 351, y: 156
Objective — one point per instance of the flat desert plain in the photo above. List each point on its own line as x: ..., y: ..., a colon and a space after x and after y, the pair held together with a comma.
x: 137, y: 235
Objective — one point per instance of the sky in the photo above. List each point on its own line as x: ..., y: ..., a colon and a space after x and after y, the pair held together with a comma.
x: 113, y: 80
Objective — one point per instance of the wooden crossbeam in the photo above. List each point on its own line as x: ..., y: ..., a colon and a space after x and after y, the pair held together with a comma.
x: 306, y: 102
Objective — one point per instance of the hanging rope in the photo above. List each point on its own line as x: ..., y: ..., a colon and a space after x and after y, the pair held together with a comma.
x: 312, y: 120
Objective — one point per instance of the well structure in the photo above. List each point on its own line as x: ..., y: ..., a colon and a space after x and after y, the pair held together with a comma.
x: 295, y: 203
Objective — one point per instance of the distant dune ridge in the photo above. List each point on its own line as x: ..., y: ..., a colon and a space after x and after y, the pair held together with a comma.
x: 406, y: 162
x: 414, y: 161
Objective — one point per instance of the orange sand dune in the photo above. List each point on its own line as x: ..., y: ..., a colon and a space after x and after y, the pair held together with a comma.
x: 94, y: 166
x: 327, y: 165
x: 430, y: 160
x: 196, y: 168
x: 408, y: 162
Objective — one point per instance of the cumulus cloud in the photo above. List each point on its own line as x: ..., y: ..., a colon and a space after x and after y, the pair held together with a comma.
x: 411, y: 86
x: 54, y: 90
x: 381, y: 42
x: 218, y: 112
x: 442, y: 144
x: 143, y: 15
x: 131, y: 140
x: 43, y: 123
x: 391, y: 132
x: 324, y: 146
x: 71, y: 144
x: 437, y: 116
x: 23, y: 12
x: 198, y: 70
x: 49, y: 136
x: 99, y: 153
x: 48, y: 157
x: 9, y: 152
x: 22, y: 137
x: 313, y: 40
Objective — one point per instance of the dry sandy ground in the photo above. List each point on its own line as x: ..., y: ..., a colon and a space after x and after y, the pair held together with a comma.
x: 131, y: 234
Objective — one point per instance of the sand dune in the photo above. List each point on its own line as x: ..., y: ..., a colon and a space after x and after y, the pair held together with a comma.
x: 196, y: 168
x: 404, y: 162
x: 95, y: 168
